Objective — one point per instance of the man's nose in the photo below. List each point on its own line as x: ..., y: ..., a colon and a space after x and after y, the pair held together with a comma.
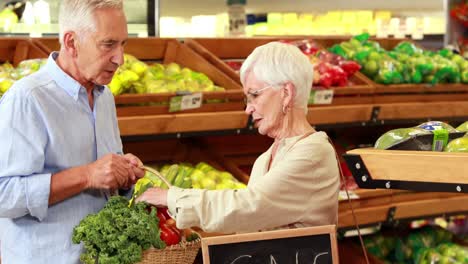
x: 118, y: 56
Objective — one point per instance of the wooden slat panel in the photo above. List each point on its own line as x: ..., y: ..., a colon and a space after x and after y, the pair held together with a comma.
x: 363, y: 216
x: 213, y: 59
x: 235, y: 95
x: 432, y: 207
x: 419, y: 166
x: 422, y: 88
x: 386, y: 99
x: 423, y: 110
x: 161, y: 110
x: 339, y: 114
x: 185, y: 56
x: 160, y: 124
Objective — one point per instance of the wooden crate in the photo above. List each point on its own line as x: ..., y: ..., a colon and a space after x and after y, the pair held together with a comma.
x: 394, y: 93
x: 15, y: 50
x: 174, y: 151
x: 137, y: 116
x: 216, y: 51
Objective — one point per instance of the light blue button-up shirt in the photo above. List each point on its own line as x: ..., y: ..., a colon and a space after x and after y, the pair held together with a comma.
x: 46, y: 126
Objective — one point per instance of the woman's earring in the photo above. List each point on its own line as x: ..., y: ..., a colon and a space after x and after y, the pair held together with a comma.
x: 285, y: 109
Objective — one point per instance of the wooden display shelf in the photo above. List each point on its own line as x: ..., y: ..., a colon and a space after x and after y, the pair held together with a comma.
x: 322, y: 115
x: 15, y: 50
x: 409, y: 206
x: 411, y: 166
x: 217, y: 50
x: 165, y: 51
x: 178, y: 123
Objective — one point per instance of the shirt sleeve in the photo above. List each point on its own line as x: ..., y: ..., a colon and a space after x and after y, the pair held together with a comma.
x: 304, y: 183
x: 24, y: 186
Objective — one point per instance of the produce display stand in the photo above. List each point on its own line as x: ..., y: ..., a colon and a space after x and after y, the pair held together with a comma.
x: 216, y: 51
x: 136, y: 117
x: 15, y: 50
x: 440, y: 175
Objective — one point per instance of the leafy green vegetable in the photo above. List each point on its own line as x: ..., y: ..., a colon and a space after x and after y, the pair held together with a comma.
x: 118, y: 233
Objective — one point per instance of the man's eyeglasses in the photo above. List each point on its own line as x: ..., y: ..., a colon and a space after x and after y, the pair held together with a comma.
x: 251, y: 95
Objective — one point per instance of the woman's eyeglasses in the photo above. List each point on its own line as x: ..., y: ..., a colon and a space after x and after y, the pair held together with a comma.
x: 251, y: 95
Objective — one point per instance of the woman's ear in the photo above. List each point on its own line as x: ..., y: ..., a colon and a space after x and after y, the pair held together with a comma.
x: 70, y: 43
x: 289, y: 92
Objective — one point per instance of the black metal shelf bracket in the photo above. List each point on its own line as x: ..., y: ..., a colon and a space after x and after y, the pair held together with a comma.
x: 364, y: 180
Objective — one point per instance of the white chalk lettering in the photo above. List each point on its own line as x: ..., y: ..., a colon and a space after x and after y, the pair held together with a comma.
x: 240, y: 257
x: 272, y: 260
x: 318, y: 255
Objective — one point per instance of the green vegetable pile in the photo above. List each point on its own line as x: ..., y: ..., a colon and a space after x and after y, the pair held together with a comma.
x: 405, y: 63
x: 118, y: 233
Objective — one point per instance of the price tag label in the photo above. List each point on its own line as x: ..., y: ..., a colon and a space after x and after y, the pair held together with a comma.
x: 185, y: 102
x: 322, y: 96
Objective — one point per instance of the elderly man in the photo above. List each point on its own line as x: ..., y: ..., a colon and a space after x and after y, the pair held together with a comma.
x: 61, y: 152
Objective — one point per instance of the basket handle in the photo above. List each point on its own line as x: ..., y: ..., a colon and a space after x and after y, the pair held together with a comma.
x: 157, y: 173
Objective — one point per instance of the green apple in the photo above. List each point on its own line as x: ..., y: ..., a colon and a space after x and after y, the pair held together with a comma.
x: 457, y: 145
x: 129, y: 59
x: 186, y: 73
x: 128, y: 77
x: 115, y: 85
x: 139, y: 88
x: 172, y: 86
x: 222, y: 186
x: 155, y: 86
x: 240, y: 185
x: 5, y: 84
x: 192, y: 86
x: 208, y: 183
x: 224, y: 175
x: 196, y: 186
x: 212, y: 174
x: 197, y: 175
x: 231, y: 184
x: 463, y: 127
x: 139, y: 67
x: 172, y: 68
x: 203, y: 166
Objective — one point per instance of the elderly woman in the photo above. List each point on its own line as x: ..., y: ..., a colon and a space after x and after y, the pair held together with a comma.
x: 294, y: 183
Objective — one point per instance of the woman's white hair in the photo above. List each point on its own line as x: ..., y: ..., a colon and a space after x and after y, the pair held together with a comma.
x: 276, y: 63
x: 77, y: 15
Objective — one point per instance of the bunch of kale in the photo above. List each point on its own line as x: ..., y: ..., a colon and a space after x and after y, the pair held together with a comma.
x: 118, y: 233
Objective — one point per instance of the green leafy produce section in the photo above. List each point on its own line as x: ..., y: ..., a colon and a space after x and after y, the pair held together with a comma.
x: 136, y: 77
x: 9, y: 74
x: 422, y: 246
x: 118, y: 233
x: 405, y: 63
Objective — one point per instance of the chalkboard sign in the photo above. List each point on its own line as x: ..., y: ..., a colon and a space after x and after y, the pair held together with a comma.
x: 311, y: 245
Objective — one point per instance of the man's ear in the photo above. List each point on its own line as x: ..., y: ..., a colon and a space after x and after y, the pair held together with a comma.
x: 70, y: 42
x: 289, y: 92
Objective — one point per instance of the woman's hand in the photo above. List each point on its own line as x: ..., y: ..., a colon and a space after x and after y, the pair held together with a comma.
x: 155, y: 196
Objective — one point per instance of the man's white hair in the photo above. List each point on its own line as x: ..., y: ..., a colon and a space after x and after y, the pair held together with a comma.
x: 276, y: 63
x: 77, y: 15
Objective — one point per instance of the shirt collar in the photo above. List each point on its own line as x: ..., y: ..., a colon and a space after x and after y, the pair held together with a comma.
x: 65, y: 81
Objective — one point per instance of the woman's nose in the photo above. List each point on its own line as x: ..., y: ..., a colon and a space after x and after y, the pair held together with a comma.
x: 249, y: 109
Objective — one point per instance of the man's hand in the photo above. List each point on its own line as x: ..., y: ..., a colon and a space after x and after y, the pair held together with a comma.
x: 136, y: 171
x: 109, y: 172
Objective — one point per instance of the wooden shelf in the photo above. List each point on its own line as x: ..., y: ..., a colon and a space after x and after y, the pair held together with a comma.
x: 405, y: 205
x: 178, y: 123
x: 412, y: 166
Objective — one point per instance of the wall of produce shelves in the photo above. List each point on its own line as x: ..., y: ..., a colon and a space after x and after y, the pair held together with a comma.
x: 219, y: 133
x: 209, y: 66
